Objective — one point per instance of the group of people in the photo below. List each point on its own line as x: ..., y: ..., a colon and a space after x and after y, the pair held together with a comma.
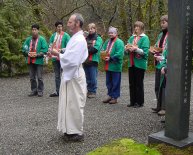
x: 75, y: 61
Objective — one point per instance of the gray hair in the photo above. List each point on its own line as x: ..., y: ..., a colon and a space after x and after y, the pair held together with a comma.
x: 164, y: 18
x: 79, y: 18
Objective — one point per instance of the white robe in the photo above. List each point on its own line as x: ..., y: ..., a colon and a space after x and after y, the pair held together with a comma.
x: 72, y: 95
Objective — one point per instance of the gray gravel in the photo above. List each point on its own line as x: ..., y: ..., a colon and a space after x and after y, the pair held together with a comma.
x: 28, y: 124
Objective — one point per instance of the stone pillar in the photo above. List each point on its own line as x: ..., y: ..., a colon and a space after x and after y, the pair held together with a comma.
x: 178, y: 85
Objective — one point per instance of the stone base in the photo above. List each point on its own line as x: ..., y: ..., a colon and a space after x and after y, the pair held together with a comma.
x: 160, y: 137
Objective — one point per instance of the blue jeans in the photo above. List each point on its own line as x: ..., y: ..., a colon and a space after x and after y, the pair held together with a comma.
x: 91, y: 78
x: 57, y: 71
x: 36, y: 71
x: 113, y: 83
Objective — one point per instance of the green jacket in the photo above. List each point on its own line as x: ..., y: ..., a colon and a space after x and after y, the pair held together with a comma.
x: 97, y: 45
x: 42, y: 47
x: 116, y: 56
x: 158, y: 65
x: 140, y: 61
x: 65, y: 39
x: 163, y: 63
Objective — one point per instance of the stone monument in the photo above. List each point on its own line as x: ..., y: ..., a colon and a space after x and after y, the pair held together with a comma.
x: 178, y: 86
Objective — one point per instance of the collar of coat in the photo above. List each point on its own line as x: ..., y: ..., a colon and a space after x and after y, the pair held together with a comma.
x: 141, y: 35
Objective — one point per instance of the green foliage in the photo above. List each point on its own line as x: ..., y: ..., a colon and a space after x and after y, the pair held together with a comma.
x: 10, y: 41
x: 16, y: 18
x: 124, y: 147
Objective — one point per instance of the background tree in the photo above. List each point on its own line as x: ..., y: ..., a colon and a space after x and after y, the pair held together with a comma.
x: 12, y: 30
x: 16, y: 18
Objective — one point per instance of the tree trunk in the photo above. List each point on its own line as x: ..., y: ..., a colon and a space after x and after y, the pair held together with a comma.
x: 123, y: 17
x: 130, y: 18
x: 140, y: 14
x: 150, y: 14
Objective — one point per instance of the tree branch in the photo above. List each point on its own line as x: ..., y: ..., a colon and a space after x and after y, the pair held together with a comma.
x: 78, y: 7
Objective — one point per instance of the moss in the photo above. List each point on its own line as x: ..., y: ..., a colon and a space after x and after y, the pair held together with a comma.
x: 171, y: 150
x: 124, y: 147
x: 130, y: 147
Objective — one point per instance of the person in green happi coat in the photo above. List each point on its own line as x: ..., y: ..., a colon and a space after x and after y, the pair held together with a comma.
x: 114, y: 48
x: 137, y: 49
x: 34, y: 49
x: 163, y: 67
x: 94, y: 42
x: 58, y: 41
x: 161, y: 42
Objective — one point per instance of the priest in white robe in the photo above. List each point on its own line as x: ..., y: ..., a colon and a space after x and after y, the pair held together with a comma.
x: 72, y: 95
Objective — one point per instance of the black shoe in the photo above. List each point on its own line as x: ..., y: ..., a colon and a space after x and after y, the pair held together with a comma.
x: 130, y: 105
x: 75, y: 137
x: 40, y: 94
x: 54, y: 95
x: 138, y: 106
x: 66, y: 136
x: 155, y: 110
x: 33, y: 94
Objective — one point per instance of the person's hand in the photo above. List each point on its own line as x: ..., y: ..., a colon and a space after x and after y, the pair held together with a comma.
x: 158, y: 58
x: 32, y: 54
x: 59, y: 50
x: 163, y: 70
x: 29, y: 55
x: 132, y: 48
x: 152, y: 50
x: 107, y: 58
x: 126, y: 48
x: 55, y: 52
x: 49, y: 53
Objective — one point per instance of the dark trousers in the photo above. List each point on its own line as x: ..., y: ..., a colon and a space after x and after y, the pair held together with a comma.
x: 113, y: 83
x: 91, y: 78
x: 157, y: 82
x: 136, y: 86
x: 57, y: 71
x: 36, y: 70
x: 161, y: 95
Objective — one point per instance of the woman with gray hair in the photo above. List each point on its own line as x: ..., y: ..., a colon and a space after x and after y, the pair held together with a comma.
x: 114, y: 48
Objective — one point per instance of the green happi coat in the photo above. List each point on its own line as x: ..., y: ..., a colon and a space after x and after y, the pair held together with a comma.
x: 65, y: 39
x: 96, y: 56
x: 163, y: 63
x: 158, y: 65
x: 42, y: 47
x: 117, y: 53
x: 140, y: 61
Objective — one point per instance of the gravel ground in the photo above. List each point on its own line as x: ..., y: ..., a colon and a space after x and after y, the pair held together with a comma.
x: 28, y: 124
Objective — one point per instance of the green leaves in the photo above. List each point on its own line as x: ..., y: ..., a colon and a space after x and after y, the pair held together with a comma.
x: 11, y: 35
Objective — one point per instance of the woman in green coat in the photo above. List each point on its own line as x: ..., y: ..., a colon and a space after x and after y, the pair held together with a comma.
x: 137, y: 49
x: 114, y: 48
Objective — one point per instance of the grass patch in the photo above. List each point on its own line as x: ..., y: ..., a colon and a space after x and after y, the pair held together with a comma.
x: 130, y: 147
x: 125, y: 147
